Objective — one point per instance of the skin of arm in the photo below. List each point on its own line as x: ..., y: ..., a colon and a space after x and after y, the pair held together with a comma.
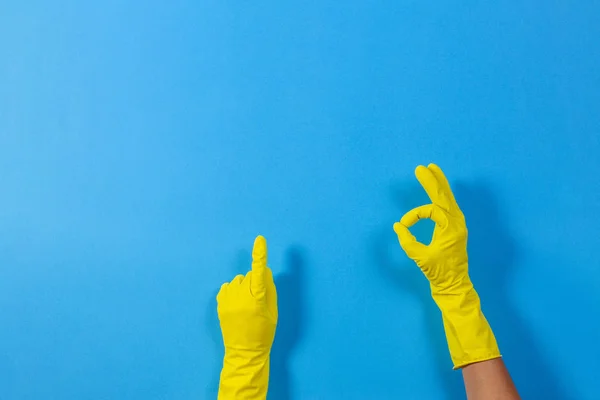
x: 489, y: 380
x: 444, y: 262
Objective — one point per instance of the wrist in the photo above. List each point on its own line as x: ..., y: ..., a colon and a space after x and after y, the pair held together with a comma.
x: 460, y: 295
x: 453, y: 285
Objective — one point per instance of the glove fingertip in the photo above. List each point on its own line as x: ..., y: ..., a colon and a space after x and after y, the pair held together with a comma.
x: 419, y: 169
x: 404, y: 234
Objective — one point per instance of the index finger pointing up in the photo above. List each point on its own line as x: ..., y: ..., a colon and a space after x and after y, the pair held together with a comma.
x: 259, y: 265
x: 443, y: 181
x: 431, y: 185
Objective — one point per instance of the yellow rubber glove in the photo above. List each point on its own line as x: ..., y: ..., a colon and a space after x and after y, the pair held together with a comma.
x: 247, y: 308
x: 445, y: 264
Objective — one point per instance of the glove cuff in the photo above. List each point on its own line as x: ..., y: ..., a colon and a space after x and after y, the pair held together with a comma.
x: 468, y: 333
x: 245, y: 375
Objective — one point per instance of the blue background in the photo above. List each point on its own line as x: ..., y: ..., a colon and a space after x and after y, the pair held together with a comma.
x: 143, y: 145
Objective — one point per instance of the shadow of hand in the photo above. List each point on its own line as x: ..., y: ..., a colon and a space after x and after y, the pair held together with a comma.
x: 289, y: 327
x: 492, y: 257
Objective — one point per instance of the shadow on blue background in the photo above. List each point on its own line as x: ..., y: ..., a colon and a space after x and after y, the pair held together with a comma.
x: 289, y: 326
x: 492, y: 258
x: 290, y: 286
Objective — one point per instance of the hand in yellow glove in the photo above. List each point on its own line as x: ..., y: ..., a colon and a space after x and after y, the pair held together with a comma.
x: 445, y: 264
x: 247, y: 308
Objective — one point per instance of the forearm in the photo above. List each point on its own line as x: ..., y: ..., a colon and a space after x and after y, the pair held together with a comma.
x: 469, y: 335
x: 473, y: 346
x: 489, y: 380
